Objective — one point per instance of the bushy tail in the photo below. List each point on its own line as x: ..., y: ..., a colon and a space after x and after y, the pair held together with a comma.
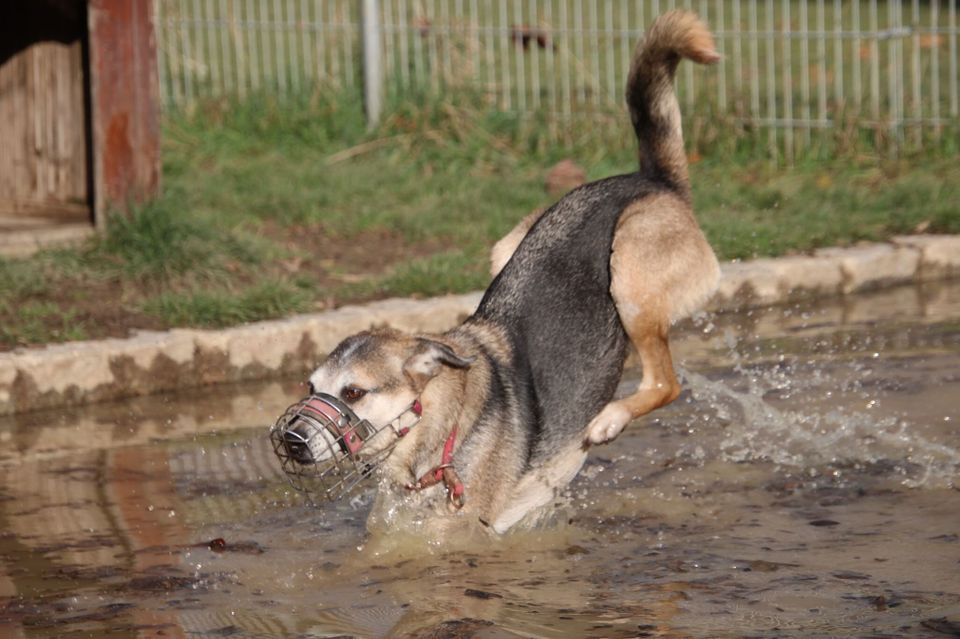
x: 650, y: 95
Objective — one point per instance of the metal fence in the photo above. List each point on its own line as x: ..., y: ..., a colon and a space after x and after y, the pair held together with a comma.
x: 796, y: 70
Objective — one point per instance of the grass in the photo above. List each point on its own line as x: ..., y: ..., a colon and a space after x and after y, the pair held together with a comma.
x: 840, y: 53
x: 43, y: 322
x: 761, y: 212
x: 219, y: 308
x: 271, y: 210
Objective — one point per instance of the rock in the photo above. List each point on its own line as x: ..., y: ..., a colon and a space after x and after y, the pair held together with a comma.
x: 85, y: 372
x: 455, y: 629
x: 564, y: 176
x: 824, y: 522
x: 874, y: 265
x: 939, y: 254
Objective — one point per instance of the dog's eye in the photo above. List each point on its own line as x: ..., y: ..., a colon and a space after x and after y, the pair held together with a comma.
x: 352, y: 393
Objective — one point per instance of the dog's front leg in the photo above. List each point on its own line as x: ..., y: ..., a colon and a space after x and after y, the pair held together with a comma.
x: 658, y: 387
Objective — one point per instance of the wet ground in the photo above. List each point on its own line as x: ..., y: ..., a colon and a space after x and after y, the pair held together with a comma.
x: 804, y: 485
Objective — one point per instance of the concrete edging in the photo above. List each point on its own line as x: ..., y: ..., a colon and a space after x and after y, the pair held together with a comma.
x: 150, y: 362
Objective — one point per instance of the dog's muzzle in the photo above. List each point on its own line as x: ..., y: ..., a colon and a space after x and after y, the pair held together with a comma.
x: 320, y: 444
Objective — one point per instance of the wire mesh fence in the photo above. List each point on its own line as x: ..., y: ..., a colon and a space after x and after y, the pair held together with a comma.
x: 793, y: 70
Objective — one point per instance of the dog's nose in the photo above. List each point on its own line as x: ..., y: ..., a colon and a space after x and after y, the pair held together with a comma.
x: 297, y: 445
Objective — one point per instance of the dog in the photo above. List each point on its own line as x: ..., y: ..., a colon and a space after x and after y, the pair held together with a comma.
x: 509, y: 402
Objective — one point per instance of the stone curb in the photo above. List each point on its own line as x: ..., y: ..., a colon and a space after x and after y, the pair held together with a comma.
x: 150, y: 362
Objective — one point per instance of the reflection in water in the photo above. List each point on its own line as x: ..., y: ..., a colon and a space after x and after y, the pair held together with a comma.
x: 804, y: 485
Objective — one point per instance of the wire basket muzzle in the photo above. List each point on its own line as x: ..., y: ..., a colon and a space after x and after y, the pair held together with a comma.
x: 320, y: 444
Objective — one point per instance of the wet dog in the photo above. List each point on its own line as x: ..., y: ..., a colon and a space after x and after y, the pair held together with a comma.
x: 509, y: 401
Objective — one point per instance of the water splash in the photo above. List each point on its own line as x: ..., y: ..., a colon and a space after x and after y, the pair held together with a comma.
x: 802, y: 414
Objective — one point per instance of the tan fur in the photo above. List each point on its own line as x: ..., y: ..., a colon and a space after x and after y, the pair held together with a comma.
x: 662, y: 269
x: 454, y: 398
x: 540, y: 486
x: 661, y: 262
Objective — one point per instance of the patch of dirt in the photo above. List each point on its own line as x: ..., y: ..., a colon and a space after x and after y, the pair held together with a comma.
x: 340, y: 268
x: 91, y: 308
x: 341, y: 265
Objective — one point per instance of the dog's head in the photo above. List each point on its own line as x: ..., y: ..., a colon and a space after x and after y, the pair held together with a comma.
x: 380, y: 376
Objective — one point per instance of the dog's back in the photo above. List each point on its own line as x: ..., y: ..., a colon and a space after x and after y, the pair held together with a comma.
x: 553, y: 296
x: 553, y: 300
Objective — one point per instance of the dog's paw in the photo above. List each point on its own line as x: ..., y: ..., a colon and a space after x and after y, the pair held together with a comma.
x: 608, y: 424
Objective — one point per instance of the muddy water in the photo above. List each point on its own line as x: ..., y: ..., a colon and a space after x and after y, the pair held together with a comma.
x: 804, y: 485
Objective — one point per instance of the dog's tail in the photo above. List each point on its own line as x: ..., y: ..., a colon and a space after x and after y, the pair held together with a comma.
x: 650, y: 95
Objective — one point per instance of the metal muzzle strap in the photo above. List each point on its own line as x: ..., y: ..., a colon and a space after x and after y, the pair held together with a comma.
x: 345, y: 427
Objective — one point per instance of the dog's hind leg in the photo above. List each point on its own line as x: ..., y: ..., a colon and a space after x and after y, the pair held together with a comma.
x: 658, y: 387
x: 662, y: 269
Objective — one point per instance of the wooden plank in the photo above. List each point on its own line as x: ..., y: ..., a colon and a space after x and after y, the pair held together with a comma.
x: 125, y: 110
x: 10, y: 208
x: 43, y: 157
x: 23, y: 236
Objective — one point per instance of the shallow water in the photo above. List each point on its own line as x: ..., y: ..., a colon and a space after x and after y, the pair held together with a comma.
x: 804, y: 485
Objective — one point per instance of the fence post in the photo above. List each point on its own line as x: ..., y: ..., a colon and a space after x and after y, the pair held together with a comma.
x: 372, y: 60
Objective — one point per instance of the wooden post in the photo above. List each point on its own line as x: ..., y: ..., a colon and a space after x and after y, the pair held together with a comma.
x: 124, y: 105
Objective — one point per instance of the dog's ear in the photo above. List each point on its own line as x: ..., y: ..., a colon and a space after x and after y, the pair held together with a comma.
x: 427, y: 359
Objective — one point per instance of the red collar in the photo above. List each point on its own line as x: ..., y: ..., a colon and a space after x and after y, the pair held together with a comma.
x: 445, y: 473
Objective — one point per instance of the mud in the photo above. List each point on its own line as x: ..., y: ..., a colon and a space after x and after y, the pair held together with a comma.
x: 804, y: 485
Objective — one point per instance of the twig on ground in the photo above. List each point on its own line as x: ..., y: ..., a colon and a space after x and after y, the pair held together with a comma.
x: 360, y: 149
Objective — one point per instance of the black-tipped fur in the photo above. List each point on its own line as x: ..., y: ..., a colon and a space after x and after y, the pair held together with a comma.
x: 650, y: 96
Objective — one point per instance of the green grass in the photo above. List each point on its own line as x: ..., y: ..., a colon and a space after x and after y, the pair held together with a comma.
x: 755, y: 211
x: 219, y: 308
x: 163, y: 239
x: 454, y: 271
x: 269, y: 210
x: 40, y: 322
x: 833, y: 55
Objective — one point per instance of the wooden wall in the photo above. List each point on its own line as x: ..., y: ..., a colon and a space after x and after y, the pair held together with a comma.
x: 79, y: 110
x: 43, y: 132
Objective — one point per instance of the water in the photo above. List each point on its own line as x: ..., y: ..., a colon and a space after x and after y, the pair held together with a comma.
x: 804, y: 485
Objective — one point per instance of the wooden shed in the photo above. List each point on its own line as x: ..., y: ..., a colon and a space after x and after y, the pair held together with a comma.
x: 79, y: 113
